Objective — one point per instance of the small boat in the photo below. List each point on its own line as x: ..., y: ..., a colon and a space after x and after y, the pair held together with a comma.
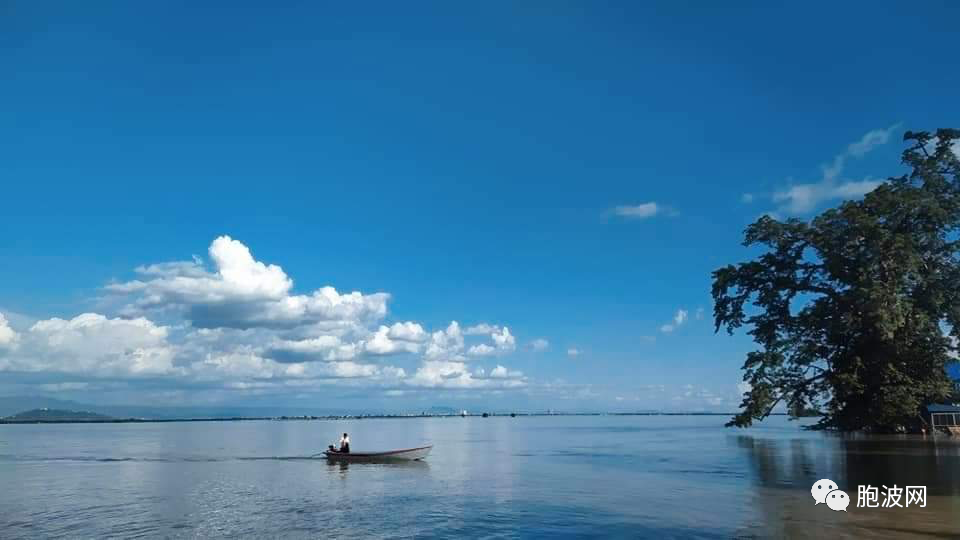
x: 409, y: 454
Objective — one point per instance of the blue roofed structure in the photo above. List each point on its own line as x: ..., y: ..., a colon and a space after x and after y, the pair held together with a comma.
x: 951, y: 409
x: 943, y: 415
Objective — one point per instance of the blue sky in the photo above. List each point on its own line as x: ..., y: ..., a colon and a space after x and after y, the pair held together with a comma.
x: 571, y: 172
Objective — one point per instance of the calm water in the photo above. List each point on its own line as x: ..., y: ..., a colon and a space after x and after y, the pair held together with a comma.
x: 658, y: 477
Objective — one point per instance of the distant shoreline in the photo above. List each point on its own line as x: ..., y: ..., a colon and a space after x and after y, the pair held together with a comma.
x: 343, y: 417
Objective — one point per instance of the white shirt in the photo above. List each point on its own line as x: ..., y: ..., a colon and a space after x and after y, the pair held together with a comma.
x: 344, y: 440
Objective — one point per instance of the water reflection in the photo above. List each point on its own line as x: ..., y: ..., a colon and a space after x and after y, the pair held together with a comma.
x: 906, y: 460
x: 620, y: 477
x: 783, y: 469
x: 343, y: 466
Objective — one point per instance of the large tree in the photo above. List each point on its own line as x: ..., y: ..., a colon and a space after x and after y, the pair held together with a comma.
x: 856, y: 311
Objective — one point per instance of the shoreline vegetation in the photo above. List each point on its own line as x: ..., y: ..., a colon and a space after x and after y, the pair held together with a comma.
x: 855, y: 311
x: 14, y: 420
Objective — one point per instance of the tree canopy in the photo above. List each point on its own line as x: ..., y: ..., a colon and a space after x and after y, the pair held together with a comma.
x: 856, y: 311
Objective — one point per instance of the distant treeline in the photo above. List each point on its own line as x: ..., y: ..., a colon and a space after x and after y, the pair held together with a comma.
x: 30, y: 417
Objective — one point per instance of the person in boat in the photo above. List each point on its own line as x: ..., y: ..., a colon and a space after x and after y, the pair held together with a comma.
x: 331, y: 449
x: 345, y: 444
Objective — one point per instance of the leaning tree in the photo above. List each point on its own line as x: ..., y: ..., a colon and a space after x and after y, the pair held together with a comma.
x: 857, y: 311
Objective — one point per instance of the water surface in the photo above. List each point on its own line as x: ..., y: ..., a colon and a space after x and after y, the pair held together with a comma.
x: 530, y: 477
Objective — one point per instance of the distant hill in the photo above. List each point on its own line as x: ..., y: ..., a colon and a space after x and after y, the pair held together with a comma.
x: 56, y: 415
x: 15, y: 404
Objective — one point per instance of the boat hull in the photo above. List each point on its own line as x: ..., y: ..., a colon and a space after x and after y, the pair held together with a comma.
x: 408, y: 454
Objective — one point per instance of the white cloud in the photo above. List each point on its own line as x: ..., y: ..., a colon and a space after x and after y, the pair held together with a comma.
x: 871, y: 140
x: 239, y: 326
x: 399, y: 338
x: 480, y: 329
x: 446, y: 344
x: 8, y: 336
x: 503, y: 342
x: 501, y: 372
x: 242, y: 293
x: 326, y: 348
x: 244, y: 365
x: 408, y: 331
x: 804, y: 198
x: 699, y: 314
x: 573, y: 352
x: 639, y: 211
x: 446, y: 374
x: 94, y: 345
x: 482, y: 350
x: 678, y: 320
x: 539, y: 344
x: 746, y: 198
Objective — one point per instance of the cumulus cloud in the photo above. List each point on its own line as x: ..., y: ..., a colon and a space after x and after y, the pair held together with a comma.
x: 639, y: 211
x: 446, y: 374
x: 383, y: 343
x: 239, y: 325
x: 804, y: 198
x: 8, y: 337
x: 94, y: 345
x: 407, y: 331
x: 445, y: 344
x: 241, y: 293
x: 323, y: 348
x: 502, y: 341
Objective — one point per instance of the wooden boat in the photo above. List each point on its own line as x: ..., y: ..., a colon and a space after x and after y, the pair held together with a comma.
x: 408, y: 454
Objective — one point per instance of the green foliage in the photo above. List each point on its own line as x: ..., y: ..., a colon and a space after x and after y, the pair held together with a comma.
x: 856, y: 311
